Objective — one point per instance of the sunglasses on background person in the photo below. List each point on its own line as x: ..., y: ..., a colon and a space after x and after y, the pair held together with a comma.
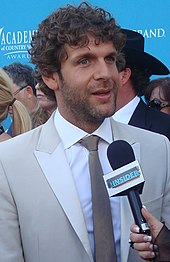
x: 157, y: 104
x: 19, y: 89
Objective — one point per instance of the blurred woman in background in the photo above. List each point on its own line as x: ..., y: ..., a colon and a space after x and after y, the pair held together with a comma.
x: 47, y: 103
x: 158, y: 94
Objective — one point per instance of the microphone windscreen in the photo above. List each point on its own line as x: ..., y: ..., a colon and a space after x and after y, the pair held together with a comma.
x: 120, y: 153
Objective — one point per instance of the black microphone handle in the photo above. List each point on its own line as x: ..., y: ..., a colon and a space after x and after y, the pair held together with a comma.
x: 136, y: 206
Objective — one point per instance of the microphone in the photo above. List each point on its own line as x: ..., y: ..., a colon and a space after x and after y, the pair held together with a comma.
x: 126, y: 179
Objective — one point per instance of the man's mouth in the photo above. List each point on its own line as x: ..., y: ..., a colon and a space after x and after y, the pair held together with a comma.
x: 102, y: 94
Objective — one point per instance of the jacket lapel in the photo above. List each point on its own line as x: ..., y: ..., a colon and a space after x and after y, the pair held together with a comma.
x: 51, y: 158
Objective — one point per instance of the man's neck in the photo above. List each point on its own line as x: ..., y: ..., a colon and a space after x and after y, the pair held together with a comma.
x: 124, y: 96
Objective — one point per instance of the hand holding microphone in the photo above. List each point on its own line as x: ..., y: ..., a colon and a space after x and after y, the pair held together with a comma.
x: 127, y: 179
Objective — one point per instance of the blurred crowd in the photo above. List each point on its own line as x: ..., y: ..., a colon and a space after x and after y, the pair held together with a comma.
x: 25, y: 101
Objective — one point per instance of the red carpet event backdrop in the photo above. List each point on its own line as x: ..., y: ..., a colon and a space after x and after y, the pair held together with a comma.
x: 19, y: 20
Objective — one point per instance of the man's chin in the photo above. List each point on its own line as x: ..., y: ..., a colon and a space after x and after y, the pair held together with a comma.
x: 108, y: 113
x: 104, y: 115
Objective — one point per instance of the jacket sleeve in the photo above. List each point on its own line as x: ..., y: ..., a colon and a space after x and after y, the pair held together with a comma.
x: 166, y: 191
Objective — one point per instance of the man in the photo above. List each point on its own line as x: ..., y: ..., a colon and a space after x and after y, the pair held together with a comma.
x: 24, y: 84
x: 135, y: 77
x: 46, y: 205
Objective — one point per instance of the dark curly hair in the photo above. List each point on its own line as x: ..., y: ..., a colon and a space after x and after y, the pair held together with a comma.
x: 140, y: 78
x: 71, y: 25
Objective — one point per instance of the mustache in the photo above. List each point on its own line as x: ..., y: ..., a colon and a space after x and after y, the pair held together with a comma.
x: 105, y: 86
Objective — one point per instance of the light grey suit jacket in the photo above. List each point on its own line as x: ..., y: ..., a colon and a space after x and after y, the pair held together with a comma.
x: 40, y: 214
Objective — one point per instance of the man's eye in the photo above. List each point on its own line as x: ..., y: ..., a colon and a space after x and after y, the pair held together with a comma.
x: 84, y: 61
x: 111, y: 58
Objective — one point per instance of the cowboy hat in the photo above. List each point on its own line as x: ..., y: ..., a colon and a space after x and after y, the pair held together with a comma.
x: 135, y: 55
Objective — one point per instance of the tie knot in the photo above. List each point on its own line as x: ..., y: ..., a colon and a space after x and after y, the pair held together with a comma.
x: 90, y: 142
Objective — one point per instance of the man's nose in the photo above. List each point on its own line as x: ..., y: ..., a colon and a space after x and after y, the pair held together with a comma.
x: 102, y: 71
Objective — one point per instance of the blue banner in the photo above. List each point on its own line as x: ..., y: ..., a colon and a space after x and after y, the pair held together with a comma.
x: 19, y: 20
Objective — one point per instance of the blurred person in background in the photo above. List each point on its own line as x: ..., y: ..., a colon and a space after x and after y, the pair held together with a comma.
x: 23, y: 77
x: 47, y: 103
x: 157, y: 94
x: 23, y: 84
x: 45, y: 96
x: 20, y: 117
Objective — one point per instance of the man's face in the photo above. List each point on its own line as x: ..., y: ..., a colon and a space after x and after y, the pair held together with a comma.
x: 88, y: 83
x: 24, y: 94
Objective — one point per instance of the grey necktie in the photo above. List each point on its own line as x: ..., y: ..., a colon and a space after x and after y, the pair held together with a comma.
x: 104, y: 244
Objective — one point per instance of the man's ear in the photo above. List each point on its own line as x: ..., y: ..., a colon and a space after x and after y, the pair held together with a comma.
x: 52, y: 81
x: 29, y: 91
x: 125, y: 75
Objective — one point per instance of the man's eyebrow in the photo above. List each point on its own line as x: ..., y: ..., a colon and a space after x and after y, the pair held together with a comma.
x: 113, y: 53
x: 89, y: 55
x: 82, y: 55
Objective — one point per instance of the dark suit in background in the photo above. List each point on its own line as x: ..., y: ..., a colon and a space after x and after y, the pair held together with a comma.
x: 148, y: 118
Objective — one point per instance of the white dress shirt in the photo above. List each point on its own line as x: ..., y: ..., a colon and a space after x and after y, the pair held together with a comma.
x: 125, y: 113
x: 77, y: 157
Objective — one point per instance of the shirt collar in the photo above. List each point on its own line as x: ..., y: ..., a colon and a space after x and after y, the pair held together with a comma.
x: 71, y: 134
x: 125, y: 113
